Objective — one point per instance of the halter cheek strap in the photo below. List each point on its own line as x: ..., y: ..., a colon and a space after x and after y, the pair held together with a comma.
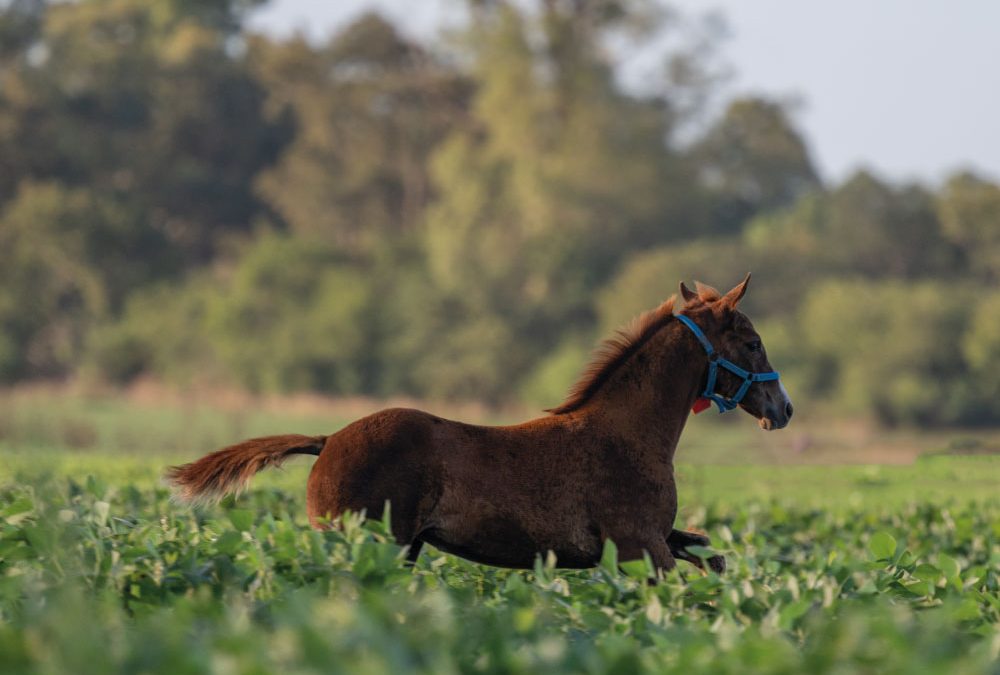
x: 714, y: 363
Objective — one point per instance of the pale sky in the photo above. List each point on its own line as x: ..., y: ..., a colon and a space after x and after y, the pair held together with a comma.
x: 909, y: 88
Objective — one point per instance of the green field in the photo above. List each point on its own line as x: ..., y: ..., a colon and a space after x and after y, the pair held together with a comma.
x: 833, y: 567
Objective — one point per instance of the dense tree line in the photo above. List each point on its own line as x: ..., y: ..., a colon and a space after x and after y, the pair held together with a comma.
x: 185, y: 200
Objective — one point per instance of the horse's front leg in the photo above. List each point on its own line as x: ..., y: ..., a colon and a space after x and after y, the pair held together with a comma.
x: 679, y: 540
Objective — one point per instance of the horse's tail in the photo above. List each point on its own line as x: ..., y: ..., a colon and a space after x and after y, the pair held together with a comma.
x: 230, y: 469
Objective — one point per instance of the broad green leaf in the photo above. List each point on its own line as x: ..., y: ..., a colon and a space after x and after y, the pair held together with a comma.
x: 20, y: 505
x: 967, y: 610
x: 637, y: 569
x: 789, y: 614
x: 242, y: 519
x: 949, y: 566
x: 702, y: 552
x: 18, y: 510
x: 926, y: 572
x: 229, y: 542
x: 882, y: 545
x: 921, y: 588
x: 609, y: 557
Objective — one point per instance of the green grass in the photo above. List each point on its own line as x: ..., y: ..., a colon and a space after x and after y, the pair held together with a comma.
x: 833, y: 568
x: 936, y: 479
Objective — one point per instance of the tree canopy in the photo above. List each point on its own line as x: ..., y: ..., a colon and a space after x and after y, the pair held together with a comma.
x: 184, y: 199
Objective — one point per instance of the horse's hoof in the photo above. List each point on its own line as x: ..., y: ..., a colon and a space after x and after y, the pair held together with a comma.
x: 717, y: 564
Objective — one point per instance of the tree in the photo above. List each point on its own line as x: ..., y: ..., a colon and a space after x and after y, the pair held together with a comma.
x: 969, y: 209
x: 20, y: 27
x: 20, y: 22
x: 51, y: 293
x: 753, y: 160
x: 865, y: 226
x: 370, y: 107
x: 146, y: 104
x: 881, y: 231
x: 888, y: 346
x: 290, y: 315
x: 309, y: 312
x: 981, y: 348
x: 538, y: 202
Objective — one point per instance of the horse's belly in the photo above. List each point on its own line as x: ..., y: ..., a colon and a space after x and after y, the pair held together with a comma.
x: 513, y: 556
x: 506, y: 543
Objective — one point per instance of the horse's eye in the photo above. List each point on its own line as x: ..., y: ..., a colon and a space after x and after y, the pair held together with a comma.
x: 754, y: 345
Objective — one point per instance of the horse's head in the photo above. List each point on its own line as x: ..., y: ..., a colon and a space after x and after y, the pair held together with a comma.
x: 743, y: 375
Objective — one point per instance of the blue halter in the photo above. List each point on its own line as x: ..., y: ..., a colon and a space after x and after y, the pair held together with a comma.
x: 714, y: 361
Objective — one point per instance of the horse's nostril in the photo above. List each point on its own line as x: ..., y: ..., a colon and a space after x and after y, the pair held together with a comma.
x: 788, y: 410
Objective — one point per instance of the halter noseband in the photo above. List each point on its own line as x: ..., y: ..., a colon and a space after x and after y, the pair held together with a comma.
x: 714, y: 361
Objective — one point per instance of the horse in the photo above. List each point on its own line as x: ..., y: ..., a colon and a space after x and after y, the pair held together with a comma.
x: 600, y: 466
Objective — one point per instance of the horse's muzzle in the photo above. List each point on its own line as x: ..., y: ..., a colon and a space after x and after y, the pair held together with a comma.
x: 777, y: 417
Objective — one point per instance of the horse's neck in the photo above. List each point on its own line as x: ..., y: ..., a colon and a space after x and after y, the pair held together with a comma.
x: 649, y: 397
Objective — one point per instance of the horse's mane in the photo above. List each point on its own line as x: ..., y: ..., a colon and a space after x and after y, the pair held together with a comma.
x: 613, y: 352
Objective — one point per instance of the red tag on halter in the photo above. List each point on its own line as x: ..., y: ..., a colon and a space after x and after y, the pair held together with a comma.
x: 701, y: 405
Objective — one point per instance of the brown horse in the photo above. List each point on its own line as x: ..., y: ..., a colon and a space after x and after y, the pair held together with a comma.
x: 600, y: 466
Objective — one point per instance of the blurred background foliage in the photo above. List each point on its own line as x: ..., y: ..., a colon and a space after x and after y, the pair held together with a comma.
x: 186, y: 201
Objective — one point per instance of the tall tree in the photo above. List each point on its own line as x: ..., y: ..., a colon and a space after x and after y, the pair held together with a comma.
x: 555, y: 177
x: 148, y: 104
x: 884, y: 231
x: 969, y: 209
x: 370, y: 107
x: 20, y: 145
x: 753, y: 160
x: 51, y: 290
x: 556, y: 174
x: 129, y: 135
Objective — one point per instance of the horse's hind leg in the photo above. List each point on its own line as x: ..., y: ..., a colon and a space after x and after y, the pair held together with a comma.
x: 679, y: 540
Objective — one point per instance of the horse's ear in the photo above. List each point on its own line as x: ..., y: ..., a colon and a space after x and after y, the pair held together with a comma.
x: 687, y: 294
x: 734, y: 296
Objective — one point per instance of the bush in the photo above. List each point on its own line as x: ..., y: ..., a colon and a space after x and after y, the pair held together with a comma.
x: 50, y: 291
x: 896, y: 350
x: 981, y: 345
x: 289, y: 316
x: 162, y: 332
x: 293, y: 316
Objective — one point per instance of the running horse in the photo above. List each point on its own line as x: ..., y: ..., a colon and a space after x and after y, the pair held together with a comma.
x: 599, y: 466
